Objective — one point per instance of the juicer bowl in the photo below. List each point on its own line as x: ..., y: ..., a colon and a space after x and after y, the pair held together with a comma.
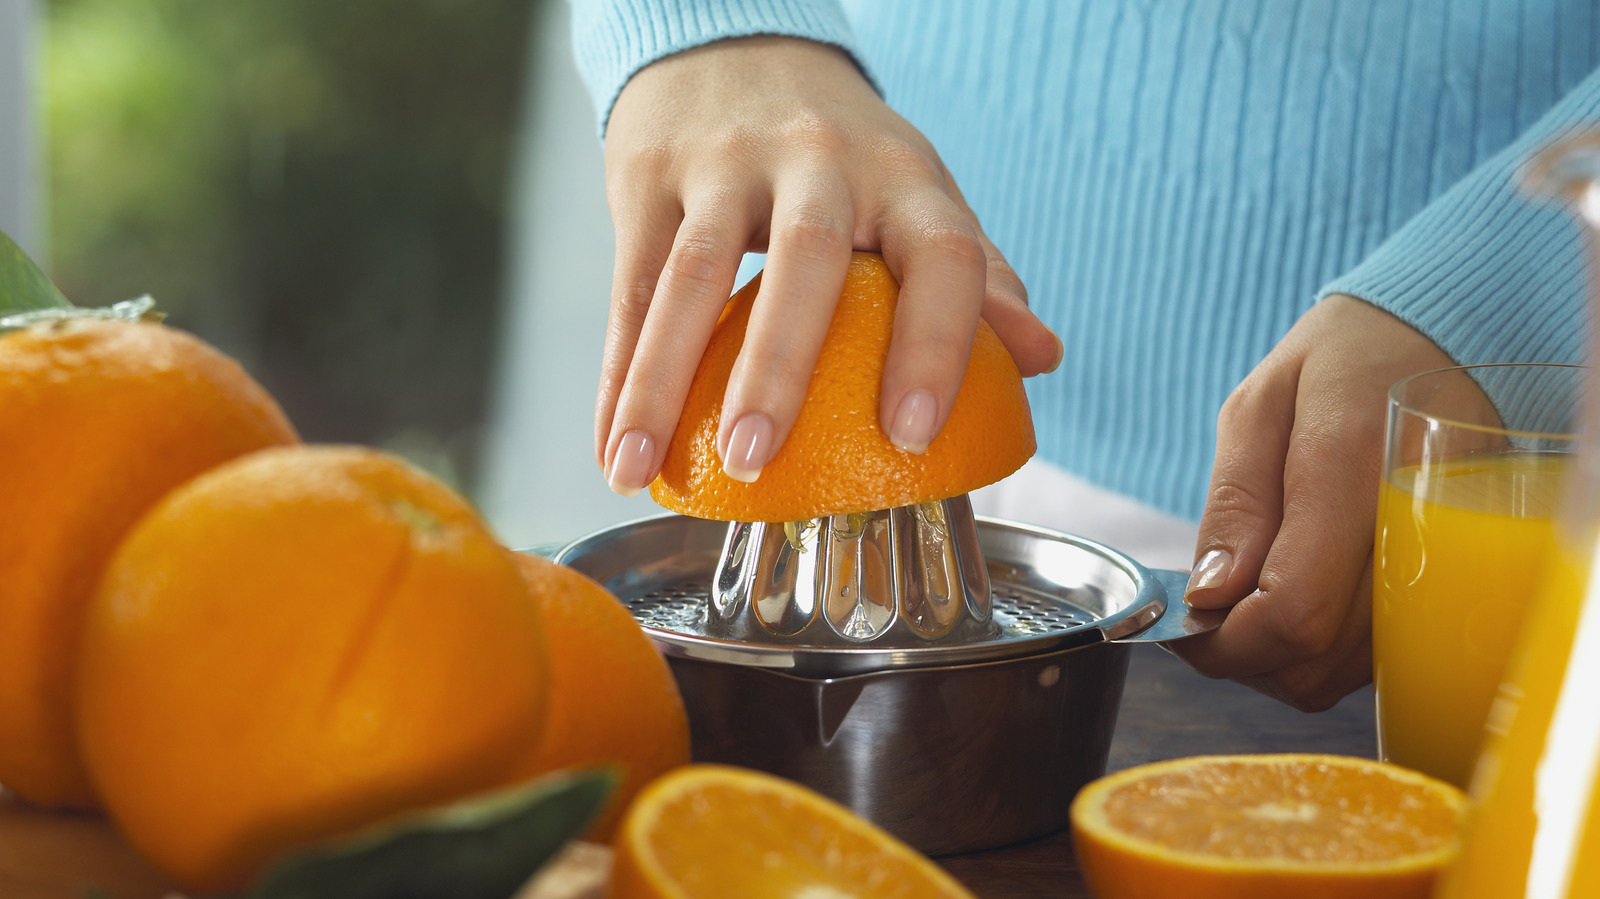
x: 952, y: 746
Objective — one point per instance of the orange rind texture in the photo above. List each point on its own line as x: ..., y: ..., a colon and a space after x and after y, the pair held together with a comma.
x: 613, y: 700
x: 298, y: 644
x: 836, y: 458
x: 98, y: 420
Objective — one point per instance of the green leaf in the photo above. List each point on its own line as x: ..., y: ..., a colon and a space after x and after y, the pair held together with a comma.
x: 483, y: 847
x: 22, y: 285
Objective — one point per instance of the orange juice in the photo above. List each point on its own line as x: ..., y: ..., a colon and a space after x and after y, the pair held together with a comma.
x: 1459, y: 550
x: 1536, y: 830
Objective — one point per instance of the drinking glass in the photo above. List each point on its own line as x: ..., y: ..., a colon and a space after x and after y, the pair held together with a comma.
x: 1474, y: 465
x: 1534, y: 831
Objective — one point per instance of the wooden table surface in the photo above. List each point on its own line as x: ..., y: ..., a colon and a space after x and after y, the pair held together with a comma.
x: 1167, y: 711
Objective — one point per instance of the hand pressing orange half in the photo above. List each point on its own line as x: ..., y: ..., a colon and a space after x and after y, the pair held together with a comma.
x: 1266, y: 827
x: 297, y: 644
x: 712, y: 830
x: 837, y: 459
x: 98, y: 420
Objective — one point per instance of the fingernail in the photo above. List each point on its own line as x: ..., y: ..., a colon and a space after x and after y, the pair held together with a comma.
x: 1061, y: 354
x: 912, y: 429
x: 749, y: 448
x: 630, y: 467
x: 1210, y: 571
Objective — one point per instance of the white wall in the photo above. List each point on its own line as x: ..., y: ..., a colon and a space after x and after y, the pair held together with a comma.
x: 20, y: 213
x: 539, y: 482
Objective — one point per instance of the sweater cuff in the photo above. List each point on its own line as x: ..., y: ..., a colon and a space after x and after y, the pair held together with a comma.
x: 1487, y: 272
x: 614, y: 39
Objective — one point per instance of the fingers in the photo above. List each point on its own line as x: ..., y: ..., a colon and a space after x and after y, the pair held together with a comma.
x: 1033, y: 346
x: 669, y: 336
x: 808, y: 256
x: 642, y: 249
x: 1300, y: 587
x: 1300, y: 560
x: 781, y: 144
x: 1316, y: 684
x: 1244, y: 504
x: 942, y: 269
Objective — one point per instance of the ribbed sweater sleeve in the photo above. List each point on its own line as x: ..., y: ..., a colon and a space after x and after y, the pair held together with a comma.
x: 1177, y: 181
x: 613, y: 39
x: 1485, y: 271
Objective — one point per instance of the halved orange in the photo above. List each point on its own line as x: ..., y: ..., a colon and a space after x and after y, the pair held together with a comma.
x: 836, y: 458
x: 1246, y: 826
x: 713, y: 830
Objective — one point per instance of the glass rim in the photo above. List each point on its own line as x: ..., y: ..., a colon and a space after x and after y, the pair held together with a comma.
x: 1397, y: 403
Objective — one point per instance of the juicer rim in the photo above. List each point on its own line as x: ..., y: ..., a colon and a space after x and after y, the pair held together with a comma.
x: 1144, y: 618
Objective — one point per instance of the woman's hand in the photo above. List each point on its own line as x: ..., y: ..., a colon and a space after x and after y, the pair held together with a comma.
x: 1286, y: 538
x: 780, y: 144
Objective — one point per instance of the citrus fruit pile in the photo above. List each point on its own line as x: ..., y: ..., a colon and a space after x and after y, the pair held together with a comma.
x: 98, y: 420
x: 837, y: 459
x: 238, y: 645
x: 1250, y: 826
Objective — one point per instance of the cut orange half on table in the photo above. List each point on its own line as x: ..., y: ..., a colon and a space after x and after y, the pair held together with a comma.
x: 1246, y: 826
x: 711, y: 830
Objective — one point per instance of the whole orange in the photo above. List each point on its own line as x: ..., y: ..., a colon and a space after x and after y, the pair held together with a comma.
x: 836, y: 458
x: 612, y: 697
x: 98, y: 419
x: 294, y: 645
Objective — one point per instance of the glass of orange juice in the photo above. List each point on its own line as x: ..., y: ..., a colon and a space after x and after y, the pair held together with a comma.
x: 1534, y: 830
x: 1474, y: 466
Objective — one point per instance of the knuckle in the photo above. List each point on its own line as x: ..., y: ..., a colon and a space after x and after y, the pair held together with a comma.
x: 782, y: 368
x: 1307, y: 627
x: 816, y: 235
x: 949, y: 347
x: 817, y: 133
x: 630, y: 303
x: 695, y: 264
x: 909, y: 161
x: 957, y: 243
x: 1230, y: 499
x: 1004, y: 285
x: 1240, y: 406
x: 643, y: 164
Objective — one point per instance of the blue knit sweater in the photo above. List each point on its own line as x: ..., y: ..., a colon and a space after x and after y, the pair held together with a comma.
x: 1176, y: 181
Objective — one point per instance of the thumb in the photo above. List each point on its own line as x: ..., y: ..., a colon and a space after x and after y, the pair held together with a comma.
x: 1244, y: 504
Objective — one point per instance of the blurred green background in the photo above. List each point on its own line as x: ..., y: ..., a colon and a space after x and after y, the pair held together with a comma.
x: 320, y: 189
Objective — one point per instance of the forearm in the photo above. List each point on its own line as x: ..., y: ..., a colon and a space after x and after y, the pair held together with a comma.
x: 1487, y: 272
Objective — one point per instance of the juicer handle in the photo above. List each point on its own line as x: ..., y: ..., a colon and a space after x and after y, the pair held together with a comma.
x: 1177, y: 620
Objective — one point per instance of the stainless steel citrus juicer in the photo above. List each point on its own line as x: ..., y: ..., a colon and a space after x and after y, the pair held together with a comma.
x: 906, y: 577
x: 954, y: 679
